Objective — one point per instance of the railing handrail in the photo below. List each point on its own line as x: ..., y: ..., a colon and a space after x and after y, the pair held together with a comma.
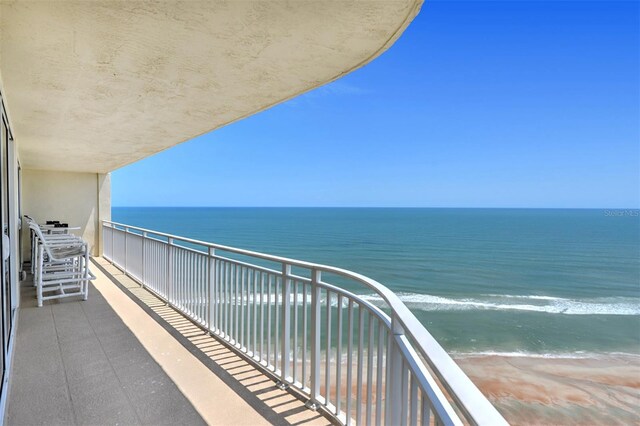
x: 475, y: 406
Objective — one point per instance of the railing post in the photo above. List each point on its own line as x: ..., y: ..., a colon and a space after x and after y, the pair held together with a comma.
x: 285, y: 343
x: 142, y: 268
x: 169, y: 270
x: 395, y: 374
x: 212, y: 286
x: 104, y: 233
x: 316, y: 276
x: 126, y: 231
x: 112, y: 235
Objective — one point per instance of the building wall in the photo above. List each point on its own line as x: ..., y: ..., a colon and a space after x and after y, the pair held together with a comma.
x: 79, y: 199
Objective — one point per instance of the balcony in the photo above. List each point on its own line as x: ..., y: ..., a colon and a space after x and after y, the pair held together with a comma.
x: 178, y: 331
x: 125, y: 357
x: 304, y: 326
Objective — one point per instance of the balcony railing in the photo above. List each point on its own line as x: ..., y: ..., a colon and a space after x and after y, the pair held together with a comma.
x: 360, y: 363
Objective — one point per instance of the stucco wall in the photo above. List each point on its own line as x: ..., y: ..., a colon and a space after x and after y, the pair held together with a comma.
x: 79, y: 199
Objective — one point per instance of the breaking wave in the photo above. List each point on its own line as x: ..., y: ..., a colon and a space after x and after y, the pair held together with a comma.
x: 550, y: 355
x: 532, y: 303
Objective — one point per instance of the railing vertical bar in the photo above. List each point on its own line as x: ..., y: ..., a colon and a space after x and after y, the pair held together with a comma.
x: 232, y: 273
x: 327, y: 366
x: 182, y: 279
x: 248, y: 344
x: 233, y: 268
x: 349, y: 360
x: 294, y: 367
x: 161, y: 258
x: 195, y: 284
x: 404, y: 397
x: 232, y: 302
x: 241, y: 334
x: 394, y: 376
x: 202, y: 289
x: 177, y: 277
x: 269, y: 279
x: 304, y: 334
x: 359, y: 400
x: 425, y: 418
x: 229, y: 305
x: 227, y: 295
x: 185, y: 275
x: 175, y: 282
x: 315, y: 338
x: 221, y: 282
x: 205, y: 295
x: 379, y: 359
x: 256, y: 279
x: 112, y: 238
x: 189, y: 272
x: 413, y: 402
x: 143, y: 263
x: 236, y: 311
x: 192, y: 265
x: 189, y: 259
x: 262, y: 316
x: 152, y: 267
x: 222, y: 305
x: 211, y: 286
x: 369, y: 370
x: 338, y: 402
x: 286, y: 322
x: 170, y: 293
x: 276, y: 342
x: 245, y: 304
x: 220, y: 297
x: 126, y: 240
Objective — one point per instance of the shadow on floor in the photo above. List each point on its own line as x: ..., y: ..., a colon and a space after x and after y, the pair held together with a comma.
x: 275, y: 405
x: 76, y: 362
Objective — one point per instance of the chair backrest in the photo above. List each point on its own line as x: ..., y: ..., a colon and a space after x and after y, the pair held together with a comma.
x: 36, y: 228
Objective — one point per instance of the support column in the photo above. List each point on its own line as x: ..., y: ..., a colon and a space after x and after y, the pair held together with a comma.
x: 104, y: 207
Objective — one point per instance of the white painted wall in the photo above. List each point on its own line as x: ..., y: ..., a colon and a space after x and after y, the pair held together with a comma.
x: 79, y: 199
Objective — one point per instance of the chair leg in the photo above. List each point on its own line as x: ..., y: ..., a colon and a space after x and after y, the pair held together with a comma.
x: 86, y: 274
x: 39, y: 277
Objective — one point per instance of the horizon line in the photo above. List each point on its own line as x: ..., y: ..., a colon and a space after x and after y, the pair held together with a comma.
x: 384, y: 207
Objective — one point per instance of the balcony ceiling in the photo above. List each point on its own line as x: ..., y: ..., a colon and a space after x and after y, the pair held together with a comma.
x: 93, y: 86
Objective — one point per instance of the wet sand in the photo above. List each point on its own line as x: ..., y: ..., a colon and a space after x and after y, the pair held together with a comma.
x: 560, y: 391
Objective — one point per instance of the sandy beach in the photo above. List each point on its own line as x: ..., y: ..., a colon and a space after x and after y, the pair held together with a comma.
x: 560, y: 391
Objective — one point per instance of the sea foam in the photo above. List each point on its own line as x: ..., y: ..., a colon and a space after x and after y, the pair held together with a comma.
x: 543, y: 304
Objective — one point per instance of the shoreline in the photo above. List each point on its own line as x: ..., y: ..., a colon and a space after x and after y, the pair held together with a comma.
x: 541, y: 390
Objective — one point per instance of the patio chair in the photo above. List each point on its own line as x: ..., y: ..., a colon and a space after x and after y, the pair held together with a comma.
x: 61, y: 266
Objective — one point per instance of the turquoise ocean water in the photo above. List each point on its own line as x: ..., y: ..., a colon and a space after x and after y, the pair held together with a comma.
x: 514, y: 281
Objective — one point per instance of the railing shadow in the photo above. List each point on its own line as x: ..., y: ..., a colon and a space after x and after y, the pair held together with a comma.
x: 280, y: 407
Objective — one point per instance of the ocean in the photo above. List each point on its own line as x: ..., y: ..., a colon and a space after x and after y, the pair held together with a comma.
x: 517, y: 282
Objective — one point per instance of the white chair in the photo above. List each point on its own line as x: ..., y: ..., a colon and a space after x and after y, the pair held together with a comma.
x: 61, y: 265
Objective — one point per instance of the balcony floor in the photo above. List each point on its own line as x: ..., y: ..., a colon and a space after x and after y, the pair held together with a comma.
x: 123, y: 357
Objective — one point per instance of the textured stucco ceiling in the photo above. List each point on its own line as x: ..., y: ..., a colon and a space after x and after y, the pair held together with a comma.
x: 93, y: 86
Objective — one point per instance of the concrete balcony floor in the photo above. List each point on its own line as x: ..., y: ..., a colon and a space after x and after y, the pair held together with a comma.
x: 123, y: 357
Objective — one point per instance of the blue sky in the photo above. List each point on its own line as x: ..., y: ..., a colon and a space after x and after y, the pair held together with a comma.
x: 479, y: 104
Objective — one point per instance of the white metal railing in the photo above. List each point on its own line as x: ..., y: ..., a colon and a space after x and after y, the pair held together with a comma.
x: 358, y: 362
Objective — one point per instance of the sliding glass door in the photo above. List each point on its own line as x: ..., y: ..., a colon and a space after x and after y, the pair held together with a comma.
x: 6, y: 204
x: 5, y: 281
